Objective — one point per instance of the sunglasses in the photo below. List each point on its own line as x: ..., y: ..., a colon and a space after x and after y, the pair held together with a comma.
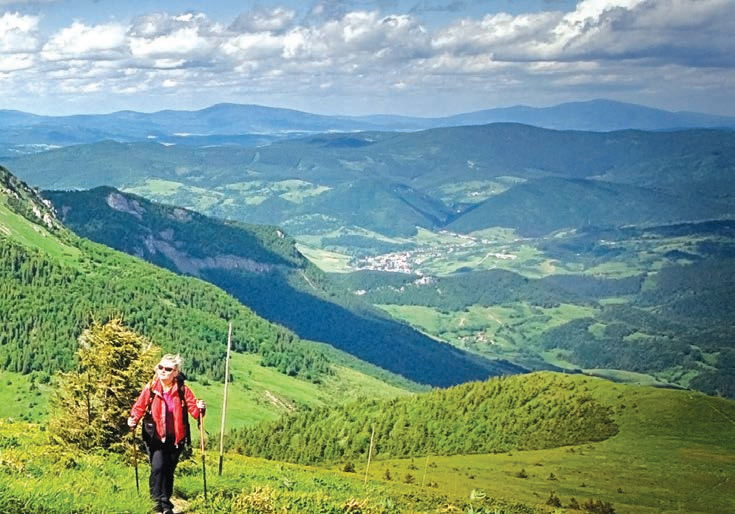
x: 166, y: 368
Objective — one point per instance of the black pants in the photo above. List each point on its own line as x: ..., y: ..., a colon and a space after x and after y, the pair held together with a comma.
x: 163, y: 458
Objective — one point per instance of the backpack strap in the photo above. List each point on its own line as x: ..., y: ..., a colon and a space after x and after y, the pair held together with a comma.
x: 184, y: 410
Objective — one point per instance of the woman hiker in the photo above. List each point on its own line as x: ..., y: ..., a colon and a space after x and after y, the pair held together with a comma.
x: 168, y: 399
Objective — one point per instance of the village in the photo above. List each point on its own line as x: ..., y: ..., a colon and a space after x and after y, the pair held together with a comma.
x: 411, y: 261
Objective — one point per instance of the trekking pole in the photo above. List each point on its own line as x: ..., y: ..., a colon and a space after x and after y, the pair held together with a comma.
x: 135, y: 461
x: 201, y: 444
x: 224, y: 401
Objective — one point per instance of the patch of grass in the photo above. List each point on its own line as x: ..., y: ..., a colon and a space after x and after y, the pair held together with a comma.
x: 500, y: 331
x: 258, y: 394
x: 33, y: 235
x: 331, y: 262
x: 177, y: 193
x: 24, y: 397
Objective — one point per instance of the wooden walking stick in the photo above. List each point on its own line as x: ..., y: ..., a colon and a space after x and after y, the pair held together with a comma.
x: 201, y: 444
x: 224, y: 401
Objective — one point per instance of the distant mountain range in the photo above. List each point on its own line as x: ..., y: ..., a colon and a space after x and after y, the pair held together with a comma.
x: 253, y: 124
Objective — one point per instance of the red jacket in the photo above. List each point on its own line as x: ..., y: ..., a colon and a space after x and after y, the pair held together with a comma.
x: 158, y: 408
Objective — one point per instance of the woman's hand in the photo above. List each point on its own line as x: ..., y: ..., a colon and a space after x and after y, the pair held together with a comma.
x: 201, y: 405
x: 131, y: 422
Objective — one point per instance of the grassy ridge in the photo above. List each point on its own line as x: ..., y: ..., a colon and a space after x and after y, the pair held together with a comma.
x: 674, y: 452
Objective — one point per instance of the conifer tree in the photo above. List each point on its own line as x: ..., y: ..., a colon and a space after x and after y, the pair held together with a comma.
x: 92, y: 404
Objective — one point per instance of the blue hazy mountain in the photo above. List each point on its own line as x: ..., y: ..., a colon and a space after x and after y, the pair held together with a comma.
x: 19, y: 131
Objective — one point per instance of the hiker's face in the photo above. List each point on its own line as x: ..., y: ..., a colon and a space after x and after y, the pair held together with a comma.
x: 166, y: 371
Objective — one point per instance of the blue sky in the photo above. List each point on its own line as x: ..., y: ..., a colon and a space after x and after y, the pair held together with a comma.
x: 413, y: 57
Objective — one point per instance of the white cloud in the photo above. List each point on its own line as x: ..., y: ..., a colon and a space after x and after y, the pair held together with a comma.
x: 18, y: 33
x: 182, y: 42
x: 80, y: 41
x: 254, y: 45
x: 16, y: 62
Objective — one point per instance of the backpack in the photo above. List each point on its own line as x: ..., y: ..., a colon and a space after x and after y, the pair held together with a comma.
x: 149, y: 425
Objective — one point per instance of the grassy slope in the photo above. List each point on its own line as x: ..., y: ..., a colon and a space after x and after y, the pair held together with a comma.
x: 674, y: 453
x: 259, y: 394
x: 33, y: 235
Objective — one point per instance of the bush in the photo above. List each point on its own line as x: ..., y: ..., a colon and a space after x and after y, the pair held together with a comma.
x: 91, y: 405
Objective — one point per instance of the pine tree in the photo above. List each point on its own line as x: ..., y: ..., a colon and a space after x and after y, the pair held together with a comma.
x: 92, y: 404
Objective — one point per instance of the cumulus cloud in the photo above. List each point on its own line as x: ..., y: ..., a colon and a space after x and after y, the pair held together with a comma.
x: 336, y: 48
x: 18, y: 33
x: 81, y: 42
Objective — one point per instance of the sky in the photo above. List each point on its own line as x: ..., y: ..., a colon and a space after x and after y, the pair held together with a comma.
x: 357, y: 57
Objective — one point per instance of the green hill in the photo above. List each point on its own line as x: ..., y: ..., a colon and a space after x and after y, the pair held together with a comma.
x: 542, y: 206
x: 515, y: 413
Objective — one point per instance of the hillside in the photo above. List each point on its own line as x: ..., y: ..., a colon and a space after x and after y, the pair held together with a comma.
x: 331, y: 188
x: 641, y: 450
x: 539, y: 207
x: 54, y: 283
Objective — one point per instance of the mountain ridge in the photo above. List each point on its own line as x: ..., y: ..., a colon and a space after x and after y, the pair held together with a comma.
x: 224, y: 120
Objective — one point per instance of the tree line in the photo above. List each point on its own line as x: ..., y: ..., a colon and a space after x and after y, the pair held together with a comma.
x: 503, y: 414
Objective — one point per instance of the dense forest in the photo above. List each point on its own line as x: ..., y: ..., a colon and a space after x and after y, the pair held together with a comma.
x: 44, y: 306
x: 518, y: 412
